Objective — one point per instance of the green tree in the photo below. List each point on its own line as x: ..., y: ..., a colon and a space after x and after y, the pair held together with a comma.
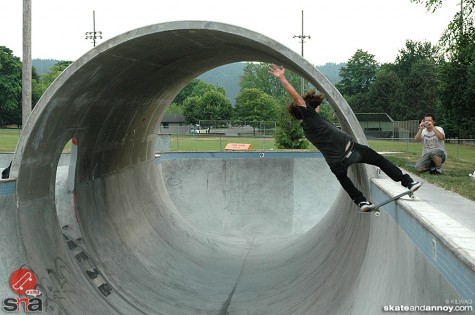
x: 433, y: 5
x: 175, y: 109
x: 212, y: 104
x: 188, y: 90
x: 361, y: 103
x: 252, y: 104
x: 358, y: 74
x: 289, y: 134
x: 10, y: 87
x: 54, y: 71
x: 457, y: 94
x: 255, y: 106
x: 256, y: 75
x: 458, y: 40
x: 414, y: 52
x: 457, y: 73
x: 384, y: 93
x: 416, y: 69
x: 420, y: 90
x: 195, y: 88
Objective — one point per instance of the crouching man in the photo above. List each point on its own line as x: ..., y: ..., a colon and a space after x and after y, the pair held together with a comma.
x: 433, y: 149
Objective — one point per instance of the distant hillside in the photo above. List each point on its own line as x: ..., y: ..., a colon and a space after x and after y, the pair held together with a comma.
x: 227, y: 77
x: 43, y: 65
x: 331, y: 71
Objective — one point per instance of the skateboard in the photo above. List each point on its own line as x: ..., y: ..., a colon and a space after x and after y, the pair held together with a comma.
x: 376, y: 207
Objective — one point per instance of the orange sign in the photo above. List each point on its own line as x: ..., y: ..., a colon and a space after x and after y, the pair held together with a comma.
x: 238, y: 146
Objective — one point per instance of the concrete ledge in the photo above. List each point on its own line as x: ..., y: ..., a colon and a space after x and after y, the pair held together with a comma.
x: 447, y: 244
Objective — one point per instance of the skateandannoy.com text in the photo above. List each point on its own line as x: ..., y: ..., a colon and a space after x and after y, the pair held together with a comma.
x: 428, y: 308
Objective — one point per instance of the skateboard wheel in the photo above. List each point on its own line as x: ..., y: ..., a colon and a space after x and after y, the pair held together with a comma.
x: 377, y: 213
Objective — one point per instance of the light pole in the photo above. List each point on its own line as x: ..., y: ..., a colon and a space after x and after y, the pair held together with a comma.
x: 94, y: 35
x: 27, y: 64
x: 302, y: 37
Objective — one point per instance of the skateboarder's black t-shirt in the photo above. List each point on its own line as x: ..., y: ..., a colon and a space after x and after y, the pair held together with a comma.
x: 330, y: 140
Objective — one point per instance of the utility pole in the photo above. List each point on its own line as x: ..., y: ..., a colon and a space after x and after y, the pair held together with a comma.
x: 27, y: 64
x: 302, y: 38
x: 94, y: 35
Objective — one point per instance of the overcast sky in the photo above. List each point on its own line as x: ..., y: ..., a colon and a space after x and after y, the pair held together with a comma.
x: 337, y: 27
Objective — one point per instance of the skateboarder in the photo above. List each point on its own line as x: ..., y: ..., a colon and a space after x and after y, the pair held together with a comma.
x: 338, y: 147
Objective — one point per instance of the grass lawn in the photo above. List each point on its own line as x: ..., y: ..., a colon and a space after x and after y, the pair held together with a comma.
x: 9, y: 139
x: 455, y: 173
x: 460, y: 162
x: 459, y: 151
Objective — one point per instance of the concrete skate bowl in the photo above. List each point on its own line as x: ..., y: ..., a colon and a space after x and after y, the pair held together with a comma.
x: 138, y: 253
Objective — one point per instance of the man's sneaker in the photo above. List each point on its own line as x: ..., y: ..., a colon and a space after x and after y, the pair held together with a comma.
x: 414, y: 186
x: 436, y: 171
x: 365, y: 206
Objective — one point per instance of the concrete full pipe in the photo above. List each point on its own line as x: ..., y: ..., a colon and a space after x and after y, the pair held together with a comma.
x: 137, y: 253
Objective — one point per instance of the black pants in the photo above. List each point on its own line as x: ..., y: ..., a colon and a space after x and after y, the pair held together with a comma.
x: 364, y: 154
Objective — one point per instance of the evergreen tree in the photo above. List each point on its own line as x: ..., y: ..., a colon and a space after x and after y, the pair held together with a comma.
x: 289, y: 134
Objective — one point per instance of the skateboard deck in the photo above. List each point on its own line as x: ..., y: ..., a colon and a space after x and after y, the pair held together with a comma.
x: 376, y: 207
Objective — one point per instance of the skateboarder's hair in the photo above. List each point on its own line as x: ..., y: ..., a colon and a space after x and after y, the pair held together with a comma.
x: 312, y: 99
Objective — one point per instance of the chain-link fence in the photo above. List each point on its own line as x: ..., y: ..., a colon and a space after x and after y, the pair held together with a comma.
x: 214, y: 135
x: 225, y: 128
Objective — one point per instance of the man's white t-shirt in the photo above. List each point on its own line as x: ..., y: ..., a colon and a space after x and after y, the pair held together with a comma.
x: 431, y: 141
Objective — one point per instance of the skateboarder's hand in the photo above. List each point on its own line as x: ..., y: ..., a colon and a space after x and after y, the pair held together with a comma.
x: 276, y: 72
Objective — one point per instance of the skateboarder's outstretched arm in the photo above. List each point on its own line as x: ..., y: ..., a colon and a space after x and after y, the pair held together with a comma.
x: 280, y: 75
